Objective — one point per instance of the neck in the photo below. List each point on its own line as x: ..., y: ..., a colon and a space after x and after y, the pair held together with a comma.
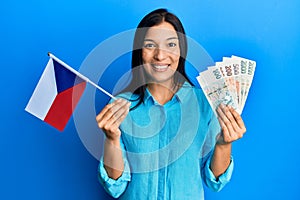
x: 162, y: 93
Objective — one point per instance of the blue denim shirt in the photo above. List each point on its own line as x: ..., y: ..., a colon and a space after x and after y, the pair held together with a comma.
x: 167, y: 149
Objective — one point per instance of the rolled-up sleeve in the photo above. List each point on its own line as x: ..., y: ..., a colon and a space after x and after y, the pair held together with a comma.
x: 115, y: 187
x: 216, y: 184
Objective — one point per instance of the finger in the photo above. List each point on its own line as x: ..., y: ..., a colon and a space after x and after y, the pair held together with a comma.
x: 229, y: 114
x: 228, y: 110
x: 223, y: 127
x: 110, y: 111
x: 123, y: 109
x: 232, y: 115
x: 223, y: 112
x: 118, y: 116
x: 224, y: 135
x: 118, y: 121
x: 110, y: 116
x: 106, y: 108
x: 238, y: 119
x: 103, y: 111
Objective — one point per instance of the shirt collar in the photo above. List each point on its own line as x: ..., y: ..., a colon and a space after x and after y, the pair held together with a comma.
x: 179, y: 95
x: 183, y: 91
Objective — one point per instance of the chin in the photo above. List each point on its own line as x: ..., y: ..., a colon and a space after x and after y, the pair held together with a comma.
x: 161, y: 80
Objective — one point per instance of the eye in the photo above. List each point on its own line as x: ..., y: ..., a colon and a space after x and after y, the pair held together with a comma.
x: 172, y: 44
x: 149, y: 45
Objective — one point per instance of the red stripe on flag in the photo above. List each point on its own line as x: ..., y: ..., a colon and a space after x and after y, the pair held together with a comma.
x: 63, y: 106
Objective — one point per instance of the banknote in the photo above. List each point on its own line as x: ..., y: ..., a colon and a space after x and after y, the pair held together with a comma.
x: 228, y: 82
x: 220, y: 70
x: 227, y: 70
x: 234, y: 73
x: 215, y: 88
x: 247, y: 73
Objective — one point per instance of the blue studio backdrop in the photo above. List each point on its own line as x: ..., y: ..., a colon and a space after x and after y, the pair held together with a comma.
x: 39, y: 162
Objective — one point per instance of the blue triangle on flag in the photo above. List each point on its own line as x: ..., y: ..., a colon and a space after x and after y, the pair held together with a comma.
x: 65, y: 79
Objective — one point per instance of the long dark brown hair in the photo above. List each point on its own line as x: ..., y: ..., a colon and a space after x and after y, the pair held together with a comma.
x: 138, y: 83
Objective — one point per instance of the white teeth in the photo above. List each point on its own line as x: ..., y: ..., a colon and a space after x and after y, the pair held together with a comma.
x: 161, y: 66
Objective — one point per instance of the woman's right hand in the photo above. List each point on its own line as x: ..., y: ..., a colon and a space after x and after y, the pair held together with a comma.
x: 110, y: 118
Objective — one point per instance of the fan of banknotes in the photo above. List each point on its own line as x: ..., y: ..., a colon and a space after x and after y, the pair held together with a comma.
x: 228, y: 82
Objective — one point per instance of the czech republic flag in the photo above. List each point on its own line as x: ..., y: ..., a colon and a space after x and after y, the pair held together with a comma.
x: 56, y: 94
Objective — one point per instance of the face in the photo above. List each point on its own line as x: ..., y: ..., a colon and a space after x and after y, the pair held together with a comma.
x: 161, y: 53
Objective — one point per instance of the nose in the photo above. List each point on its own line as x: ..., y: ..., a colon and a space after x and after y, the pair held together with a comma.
x: 160, y: 54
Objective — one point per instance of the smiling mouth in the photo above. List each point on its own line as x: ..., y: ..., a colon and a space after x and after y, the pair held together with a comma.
x: 160, y: 68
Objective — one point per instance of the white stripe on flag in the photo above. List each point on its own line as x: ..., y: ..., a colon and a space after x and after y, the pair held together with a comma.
x: 44, y: 93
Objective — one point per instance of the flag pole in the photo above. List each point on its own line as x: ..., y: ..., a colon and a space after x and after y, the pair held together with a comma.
x: 80, y: 75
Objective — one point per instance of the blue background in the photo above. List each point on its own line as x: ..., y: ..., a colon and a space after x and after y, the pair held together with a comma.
x: 38, y: 162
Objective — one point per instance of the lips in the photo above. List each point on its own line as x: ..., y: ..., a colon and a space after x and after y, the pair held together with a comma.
x: 160, y: 67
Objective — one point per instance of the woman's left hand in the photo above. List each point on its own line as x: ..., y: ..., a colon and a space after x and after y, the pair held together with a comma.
x: 233, y: 127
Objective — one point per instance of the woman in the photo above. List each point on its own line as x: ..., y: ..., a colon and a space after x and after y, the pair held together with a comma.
x: 164, y: 140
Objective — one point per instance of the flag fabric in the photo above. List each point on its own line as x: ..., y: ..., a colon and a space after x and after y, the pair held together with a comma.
x: 56, y: 94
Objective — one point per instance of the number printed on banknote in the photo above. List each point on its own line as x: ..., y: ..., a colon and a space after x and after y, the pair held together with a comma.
x: 228, y: 82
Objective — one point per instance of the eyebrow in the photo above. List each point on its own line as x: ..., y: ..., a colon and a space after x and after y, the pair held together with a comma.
x: 171, y: 38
